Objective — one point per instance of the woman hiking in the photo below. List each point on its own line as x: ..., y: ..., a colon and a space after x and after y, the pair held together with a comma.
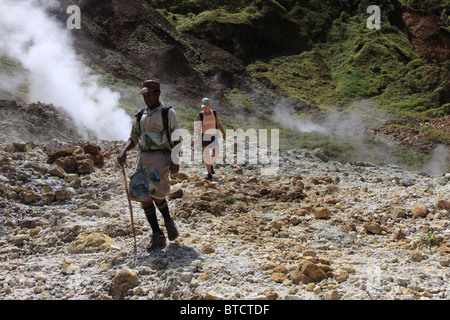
x: 208, y: 123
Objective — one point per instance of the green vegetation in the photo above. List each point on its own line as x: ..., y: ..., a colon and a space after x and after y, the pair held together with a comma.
x: 17, y: 84
x: 197, y: 6
x: 427, y: 6
x: 354, y: 62
x: 431, y: 239
x: 446, y: 108
x: 300, y: 76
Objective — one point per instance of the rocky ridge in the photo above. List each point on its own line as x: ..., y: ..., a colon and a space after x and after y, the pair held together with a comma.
x: 317, y: 230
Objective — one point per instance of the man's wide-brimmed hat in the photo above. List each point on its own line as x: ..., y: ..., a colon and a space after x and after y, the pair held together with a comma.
x: 148, y: 85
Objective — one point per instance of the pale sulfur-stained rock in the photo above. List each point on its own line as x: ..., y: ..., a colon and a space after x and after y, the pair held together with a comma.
x: 398, y: 212
x: 69, y: 268
x: 445, y: 262
x: 125, y: 275
x: 340, y: 275
x: 322, y: 213
x: 278, y: 276
x: 90, y: 242
x: 29, y: 195
x: 417, y: 255
x: 207, y: 248
x: 55, y: 149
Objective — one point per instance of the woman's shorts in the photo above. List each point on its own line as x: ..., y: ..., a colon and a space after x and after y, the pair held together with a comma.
x: 209, y: 140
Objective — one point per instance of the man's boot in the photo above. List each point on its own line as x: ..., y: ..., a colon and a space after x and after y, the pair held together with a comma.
x: 172, y: 231
x: 158, y: 241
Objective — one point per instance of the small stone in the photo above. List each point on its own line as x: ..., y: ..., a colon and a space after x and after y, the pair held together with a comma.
x: 295, y: 220
x: 69, y: 268
x: 340, y: 275
x: 57, y: 148
x: 85, y: 166
x: 278, y: 276
x: 376, y: 180
x: 275, y: 224
x: 398, y: 235
x: 69, y: 177
x: 186, y: 276
x: 137, y: 291
x: 310, y: 287
x: 76, y: 183
x: 309, y: 253
x: 47, y: 194
x: 321, y: 213
x: 40, y: 277
x: 205, y: 276
x: 20, y: 239
x: 92, y: 242
x: 308, y: 272
x: 331, y: 189
x: 205, y: 196
x: 270, y: 294
x: 445, y: 262
x: 176, y: 192
x: 217, y: 209
x: 91, y: 149
x: 443, y: 204
x: 125, y: 275
x: 29, y: 195
x: 332, y: 295
x: 46, y: 295
x: 10, y: 223
x: 197, y: 263
x: 372, y: 227
x: 62, y: 194
x: 417, y: 255
x: 420, y: 211
x: 207, y: 248
x: 302, y: 212
x: 57, y: 171
x: 349, y: 269
x: 180, y: 176
x: 398, y: 212
x: 281, y: 269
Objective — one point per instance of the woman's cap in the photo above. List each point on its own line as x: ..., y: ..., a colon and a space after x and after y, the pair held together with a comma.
x: 206, y: 102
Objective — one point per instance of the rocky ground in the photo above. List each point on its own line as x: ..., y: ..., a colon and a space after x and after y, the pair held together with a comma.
x: 317, y: 230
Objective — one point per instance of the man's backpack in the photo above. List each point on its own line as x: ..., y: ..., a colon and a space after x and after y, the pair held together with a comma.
x: 165, y: 118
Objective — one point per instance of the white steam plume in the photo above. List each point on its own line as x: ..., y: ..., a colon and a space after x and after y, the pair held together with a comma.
x: 286, y: 117
x: 55, y: 74
x: 439, y: 162
x: 362, y: 113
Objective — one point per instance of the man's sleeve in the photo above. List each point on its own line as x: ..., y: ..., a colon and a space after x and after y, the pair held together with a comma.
x: 134, y: 135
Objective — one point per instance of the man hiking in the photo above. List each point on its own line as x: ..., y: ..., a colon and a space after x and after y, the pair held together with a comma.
x: 150, y: 182
x: 208, y: 122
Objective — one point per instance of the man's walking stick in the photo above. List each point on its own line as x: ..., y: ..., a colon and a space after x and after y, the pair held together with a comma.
x: 131, y: 208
